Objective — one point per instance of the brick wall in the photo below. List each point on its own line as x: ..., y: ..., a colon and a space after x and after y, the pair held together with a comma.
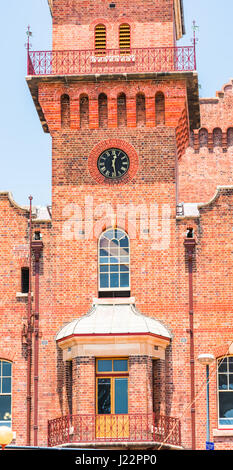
x: 152, y: 21
x: 207, y: 162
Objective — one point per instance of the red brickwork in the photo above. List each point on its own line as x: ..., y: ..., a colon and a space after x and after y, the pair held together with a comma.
x: 209, y: 157
x: 74, y: 25
x: 83, y: 123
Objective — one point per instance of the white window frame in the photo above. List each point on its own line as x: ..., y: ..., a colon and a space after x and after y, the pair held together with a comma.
x: 9, y: 421
x: 113, y: 289
x: 222, y: 425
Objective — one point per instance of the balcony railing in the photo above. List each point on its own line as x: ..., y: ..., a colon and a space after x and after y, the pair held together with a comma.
x: 163, y: 59
x: 114, y: 428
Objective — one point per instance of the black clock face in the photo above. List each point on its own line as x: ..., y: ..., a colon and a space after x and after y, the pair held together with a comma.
x: 113, y: 163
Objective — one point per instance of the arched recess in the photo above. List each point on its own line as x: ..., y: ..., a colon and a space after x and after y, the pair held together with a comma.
x: 159, y: 108
x: 140, y: 109
x: 103, y: 110
x: 121, y: 110
x: 217, y: 137
x: 230, y: 137
x: 84, y: 110
x: 203, y: 137
x: 65, y: 111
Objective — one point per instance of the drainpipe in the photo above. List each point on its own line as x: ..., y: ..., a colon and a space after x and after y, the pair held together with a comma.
x: 189, y: 244
x: 29, y: 331
x: 37, y: 246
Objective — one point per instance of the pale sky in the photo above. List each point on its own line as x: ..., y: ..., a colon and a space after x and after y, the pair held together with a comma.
x: 25, y: 150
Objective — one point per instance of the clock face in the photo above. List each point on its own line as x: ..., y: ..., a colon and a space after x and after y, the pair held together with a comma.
x: 113, y: 163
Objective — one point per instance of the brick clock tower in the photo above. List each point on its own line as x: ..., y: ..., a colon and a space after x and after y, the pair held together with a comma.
x: 118, y: 98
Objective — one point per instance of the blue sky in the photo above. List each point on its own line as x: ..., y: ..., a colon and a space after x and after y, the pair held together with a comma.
x: 25, y: 150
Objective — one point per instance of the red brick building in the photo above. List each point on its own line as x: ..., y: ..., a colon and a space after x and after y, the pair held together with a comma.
x: 109, y: 297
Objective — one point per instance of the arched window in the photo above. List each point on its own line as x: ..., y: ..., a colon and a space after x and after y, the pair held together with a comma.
x: 114, y: 266
x: 65, y: 111
x: 217, y: 137
x: 84, y: 111
x: 225, y: 391
x: 230, y: 137
x: 103, y: 110
x: 159, y: 109
x: 5, y: 392
x: 121, y: 110
x: 124, y: 38
x: 203, y: 137
x: 100, y: 39
x: 140, y: 109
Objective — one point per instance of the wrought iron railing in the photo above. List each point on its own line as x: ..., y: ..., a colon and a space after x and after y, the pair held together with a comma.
x: 163, y: 59
x: 114, y: 428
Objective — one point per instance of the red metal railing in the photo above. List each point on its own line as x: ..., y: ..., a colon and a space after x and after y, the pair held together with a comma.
x: 114, y: 428
x: 163, y: 59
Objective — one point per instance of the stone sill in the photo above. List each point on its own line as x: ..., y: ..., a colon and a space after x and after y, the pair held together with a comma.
x: 223, y: 432
x: 21, y: 295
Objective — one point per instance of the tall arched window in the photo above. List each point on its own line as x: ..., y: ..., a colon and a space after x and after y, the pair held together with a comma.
x: 124, y: 38
x: 65, y: 111
x: 103, y: 110
x: 84, y: 111
x: 100, y: 39
x: 5, y: 393
x: 121, y: 110
x: 225, y: 391
x: 114, y: 264
x: 140, y: 109
x: 159, y: 109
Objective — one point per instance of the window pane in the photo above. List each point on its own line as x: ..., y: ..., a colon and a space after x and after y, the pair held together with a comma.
x: 124, y: 280
x: 103, y: 252
x: 109, y: 234
x: 222, y: 381
x: 230, y: 364
x: 104, y: 365
x: 114, y: 260
x: 124, y: 241
x: 119, y: 234
x: 6, y: 385
x: 124, y: 267
x: 103, y: 260
x: 6, y: 368
x: 124, y: 251
x: 121, y: 396
x: 104, y: 280
x: 104, y: 242
x: 222, y: 365
x: 104, y: 268
x: 104, y: 396
x: 226, y: 404
x: 231, y: 381
x: 5, y: 407
x: 114, y: 280
x: 120, y: 365
x: 114, y: 268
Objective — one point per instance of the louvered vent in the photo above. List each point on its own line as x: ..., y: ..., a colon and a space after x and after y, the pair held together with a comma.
x: 124, y: 38
x: 100, y: 39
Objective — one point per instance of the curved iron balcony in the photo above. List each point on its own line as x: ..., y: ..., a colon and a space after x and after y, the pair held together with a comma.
x: 85, y: 62
x: 131, y: 428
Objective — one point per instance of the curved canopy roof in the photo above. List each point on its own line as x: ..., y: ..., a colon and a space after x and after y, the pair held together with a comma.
x: 112, y: 319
